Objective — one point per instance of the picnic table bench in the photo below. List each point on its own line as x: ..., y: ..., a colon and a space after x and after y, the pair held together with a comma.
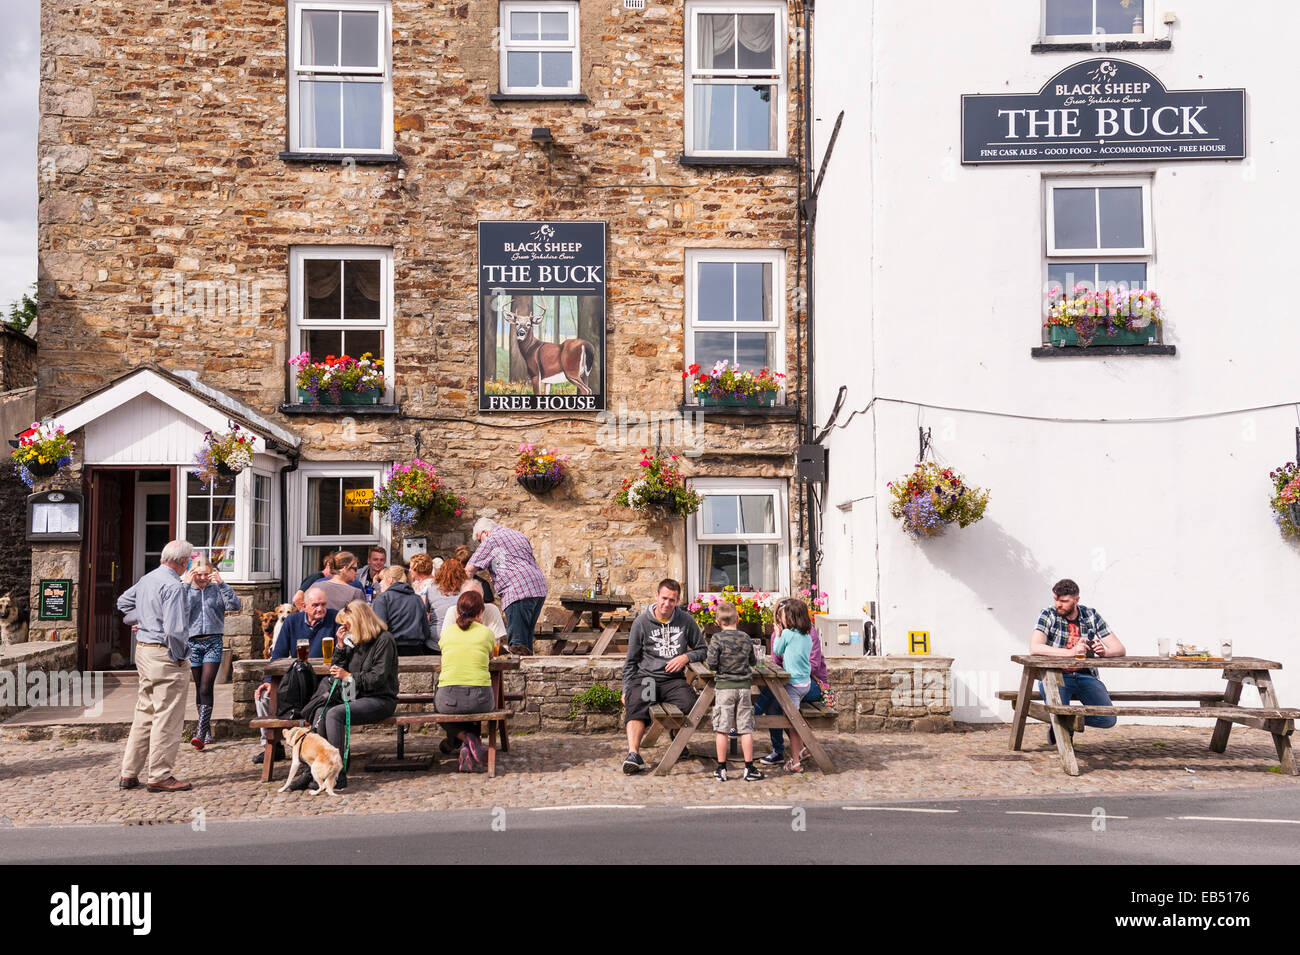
x: 666, y: 716
x: 1223, y: 706
x: 604, y: 604
x: 496, y: 719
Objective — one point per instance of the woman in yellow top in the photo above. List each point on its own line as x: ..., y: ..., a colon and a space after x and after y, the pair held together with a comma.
x: 465, y: 683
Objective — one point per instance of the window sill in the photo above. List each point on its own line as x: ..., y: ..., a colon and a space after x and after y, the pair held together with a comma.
x: 539, y: 98
x: 360, y: 159
x: 341, y: 410
x: 1119, y: 46
x: 1104, y: 351
x: 685, y: 160
x: 771, y: 411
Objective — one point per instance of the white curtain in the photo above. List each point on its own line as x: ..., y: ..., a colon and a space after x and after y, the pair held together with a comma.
x: 368, y: 278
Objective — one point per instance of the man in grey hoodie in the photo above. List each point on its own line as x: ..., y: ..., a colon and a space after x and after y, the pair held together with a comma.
x: 663, y: 640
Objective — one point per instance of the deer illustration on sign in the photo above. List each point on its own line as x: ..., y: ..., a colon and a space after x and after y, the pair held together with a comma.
x: 548, y: 363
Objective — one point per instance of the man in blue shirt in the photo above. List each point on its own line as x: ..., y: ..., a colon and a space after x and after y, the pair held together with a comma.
x: 313, y: 623
x: 160, y: 605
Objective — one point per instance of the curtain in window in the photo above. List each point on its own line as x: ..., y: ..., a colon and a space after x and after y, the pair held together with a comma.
x: 322, y: 283
x: 369, y: 281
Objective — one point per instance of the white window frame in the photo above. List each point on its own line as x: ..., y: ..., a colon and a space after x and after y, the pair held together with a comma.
x: 239, y: 532
x: 297, y: 70
x: 775, y: 326
x: 1147, y: 34
x: 780, y: 78
x: 1097, y: 183
x: 572, y: 46
x: 380, y: 530
x: 778, y: 489
x: 244, y: 516
x: 298, y: 256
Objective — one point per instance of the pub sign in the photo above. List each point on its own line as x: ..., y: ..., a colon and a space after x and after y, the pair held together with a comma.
x: 1103, y: 110
x: 541, y: 316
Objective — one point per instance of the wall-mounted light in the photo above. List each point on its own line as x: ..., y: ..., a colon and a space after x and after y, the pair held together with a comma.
x: 542, y: 136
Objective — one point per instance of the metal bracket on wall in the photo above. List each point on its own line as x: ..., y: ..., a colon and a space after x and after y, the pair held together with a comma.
x: 923, y: 435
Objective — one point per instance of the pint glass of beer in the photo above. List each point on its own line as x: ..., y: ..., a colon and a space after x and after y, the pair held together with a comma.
x: 303, y: 646
x: 327, y: 649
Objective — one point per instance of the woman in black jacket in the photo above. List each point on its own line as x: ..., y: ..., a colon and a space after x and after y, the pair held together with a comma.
x: 365, y: 663
x: 404, y: 614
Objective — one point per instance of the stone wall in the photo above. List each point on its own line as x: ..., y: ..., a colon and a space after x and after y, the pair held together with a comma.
x: 872, y: 694
x: 17, y: 361
x: 162, y: 123
x: 16, y: 662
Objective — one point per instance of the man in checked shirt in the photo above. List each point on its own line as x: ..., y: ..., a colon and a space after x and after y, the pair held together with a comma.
x: 1060, y: 629
x: 519, y: 582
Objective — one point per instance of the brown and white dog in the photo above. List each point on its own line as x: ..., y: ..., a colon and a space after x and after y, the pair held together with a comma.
x: 13, y: 619
x: 318, y: 753
x: 272, y: 620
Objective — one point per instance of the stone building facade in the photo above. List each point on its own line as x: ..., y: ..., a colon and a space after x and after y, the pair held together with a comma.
x: 186, y: 179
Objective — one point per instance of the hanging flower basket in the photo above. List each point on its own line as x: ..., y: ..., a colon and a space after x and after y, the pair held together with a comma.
x: 1286, y: 499
x: 223, y: 455
x: 931, y: 498
x: 659, y: 490
x: 539, y: 470
x: 413, y: 492
x: 42, y: 450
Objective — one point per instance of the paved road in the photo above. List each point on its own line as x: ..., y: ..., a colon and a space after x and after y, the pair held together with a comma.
x: 1236, y: 826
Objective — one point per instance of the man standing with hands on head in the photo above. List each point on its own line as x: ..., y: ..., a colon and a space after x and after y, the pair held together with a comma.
x: 1060, y: 630
x: 663, y: 640
x: 160, y: 603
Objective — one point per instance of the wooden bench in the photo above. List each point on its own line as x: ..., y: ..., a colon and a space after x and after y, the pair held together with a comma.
x: 1223, y: 706
x: 493, y: 718
x: 669, y: 717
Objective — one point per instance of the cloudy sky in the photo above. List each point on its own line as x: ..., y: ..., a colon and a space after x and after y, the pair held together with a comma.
x: 20, y: 23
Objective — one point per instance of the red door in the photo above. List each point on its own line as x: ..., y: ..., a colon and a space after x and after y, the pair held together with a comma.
x: 107, y: 566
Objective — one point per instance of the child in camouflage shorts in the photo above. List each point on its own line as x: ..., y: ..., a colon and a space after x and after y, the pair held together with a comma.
x: 731, y: 654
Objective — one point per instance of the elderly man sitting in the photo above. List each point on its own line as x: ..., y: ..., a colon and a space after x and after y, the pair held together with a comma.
x: 519, y: 581
x: 314, y: 622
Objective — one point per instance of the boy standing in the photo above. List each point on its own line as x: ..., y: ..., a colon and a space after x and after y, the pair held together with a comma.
x: 731, y: 654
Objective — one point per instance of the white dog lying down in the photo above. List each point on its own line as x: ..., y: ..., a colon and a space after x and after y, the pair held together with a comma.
x: 318, y: 753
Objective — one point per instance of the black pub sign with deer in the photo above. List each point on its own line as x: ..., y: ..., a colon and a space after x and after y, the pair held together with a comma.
x: 541, y: 316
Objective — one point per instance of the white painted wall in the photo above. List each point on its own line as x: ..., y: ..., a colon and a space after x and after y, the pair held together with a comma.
x: 928, y: 298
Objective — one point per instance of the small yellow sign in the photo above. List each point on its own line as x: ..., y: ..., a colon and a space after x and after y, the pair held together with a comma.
x: 361, y: 497
x: 918, y: 642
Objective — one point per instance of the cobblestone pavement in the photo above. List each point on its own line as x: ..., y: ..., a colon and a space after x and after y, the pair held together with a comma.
x: 51, y: 782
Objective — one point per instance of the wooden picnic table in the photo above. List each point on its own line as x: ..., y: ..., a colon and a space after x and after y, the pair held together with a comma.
x: 276, y: 669
x: 1222, y: 706
x: 577, y: 606
x: 767, y: 675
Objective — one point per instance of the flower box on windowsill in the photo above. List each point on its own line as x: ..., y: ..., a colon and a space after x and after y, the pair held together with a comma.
x: 765, y: 400
x: 345, y: 397
x: 1063, y: 336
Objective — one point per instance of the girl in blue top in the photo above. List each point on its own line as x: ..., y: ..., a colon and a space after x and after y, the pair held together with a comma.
x: 210, y: 599
x: 795, y: 648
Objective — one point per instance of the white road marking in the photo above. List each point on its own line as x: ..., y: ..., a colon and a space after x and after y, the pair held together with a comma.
x: 590, y: 806
x: 738, y: 806
x: 1289, y: 822
x: 1070, y: 815
x: 892, y: 809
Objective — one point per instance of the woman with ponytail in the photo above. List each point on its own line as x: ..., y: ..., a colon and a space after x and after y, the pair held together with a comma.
x: 465, y: 683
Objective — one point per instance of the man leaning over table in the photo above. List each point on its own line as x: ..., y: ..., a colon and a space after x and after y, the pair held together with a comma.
x: 1060, y: 628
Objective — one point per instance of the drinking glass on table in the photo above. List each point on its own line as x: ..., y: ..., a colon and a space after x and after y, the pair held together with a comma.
x: 327, y: 649
x: 302, y: 648
x: 1225, y: 649
x: 1162, y: 646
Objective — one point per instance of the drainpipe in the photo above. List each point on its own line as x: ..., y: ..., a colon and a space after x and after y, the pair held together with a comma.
x: 284, y: 525
x: 808, y: 211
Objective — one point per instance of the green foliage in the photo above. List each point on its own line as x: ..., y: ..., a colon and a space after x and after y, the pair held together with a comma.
x: 22, y: 312
x: 596, y: 699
